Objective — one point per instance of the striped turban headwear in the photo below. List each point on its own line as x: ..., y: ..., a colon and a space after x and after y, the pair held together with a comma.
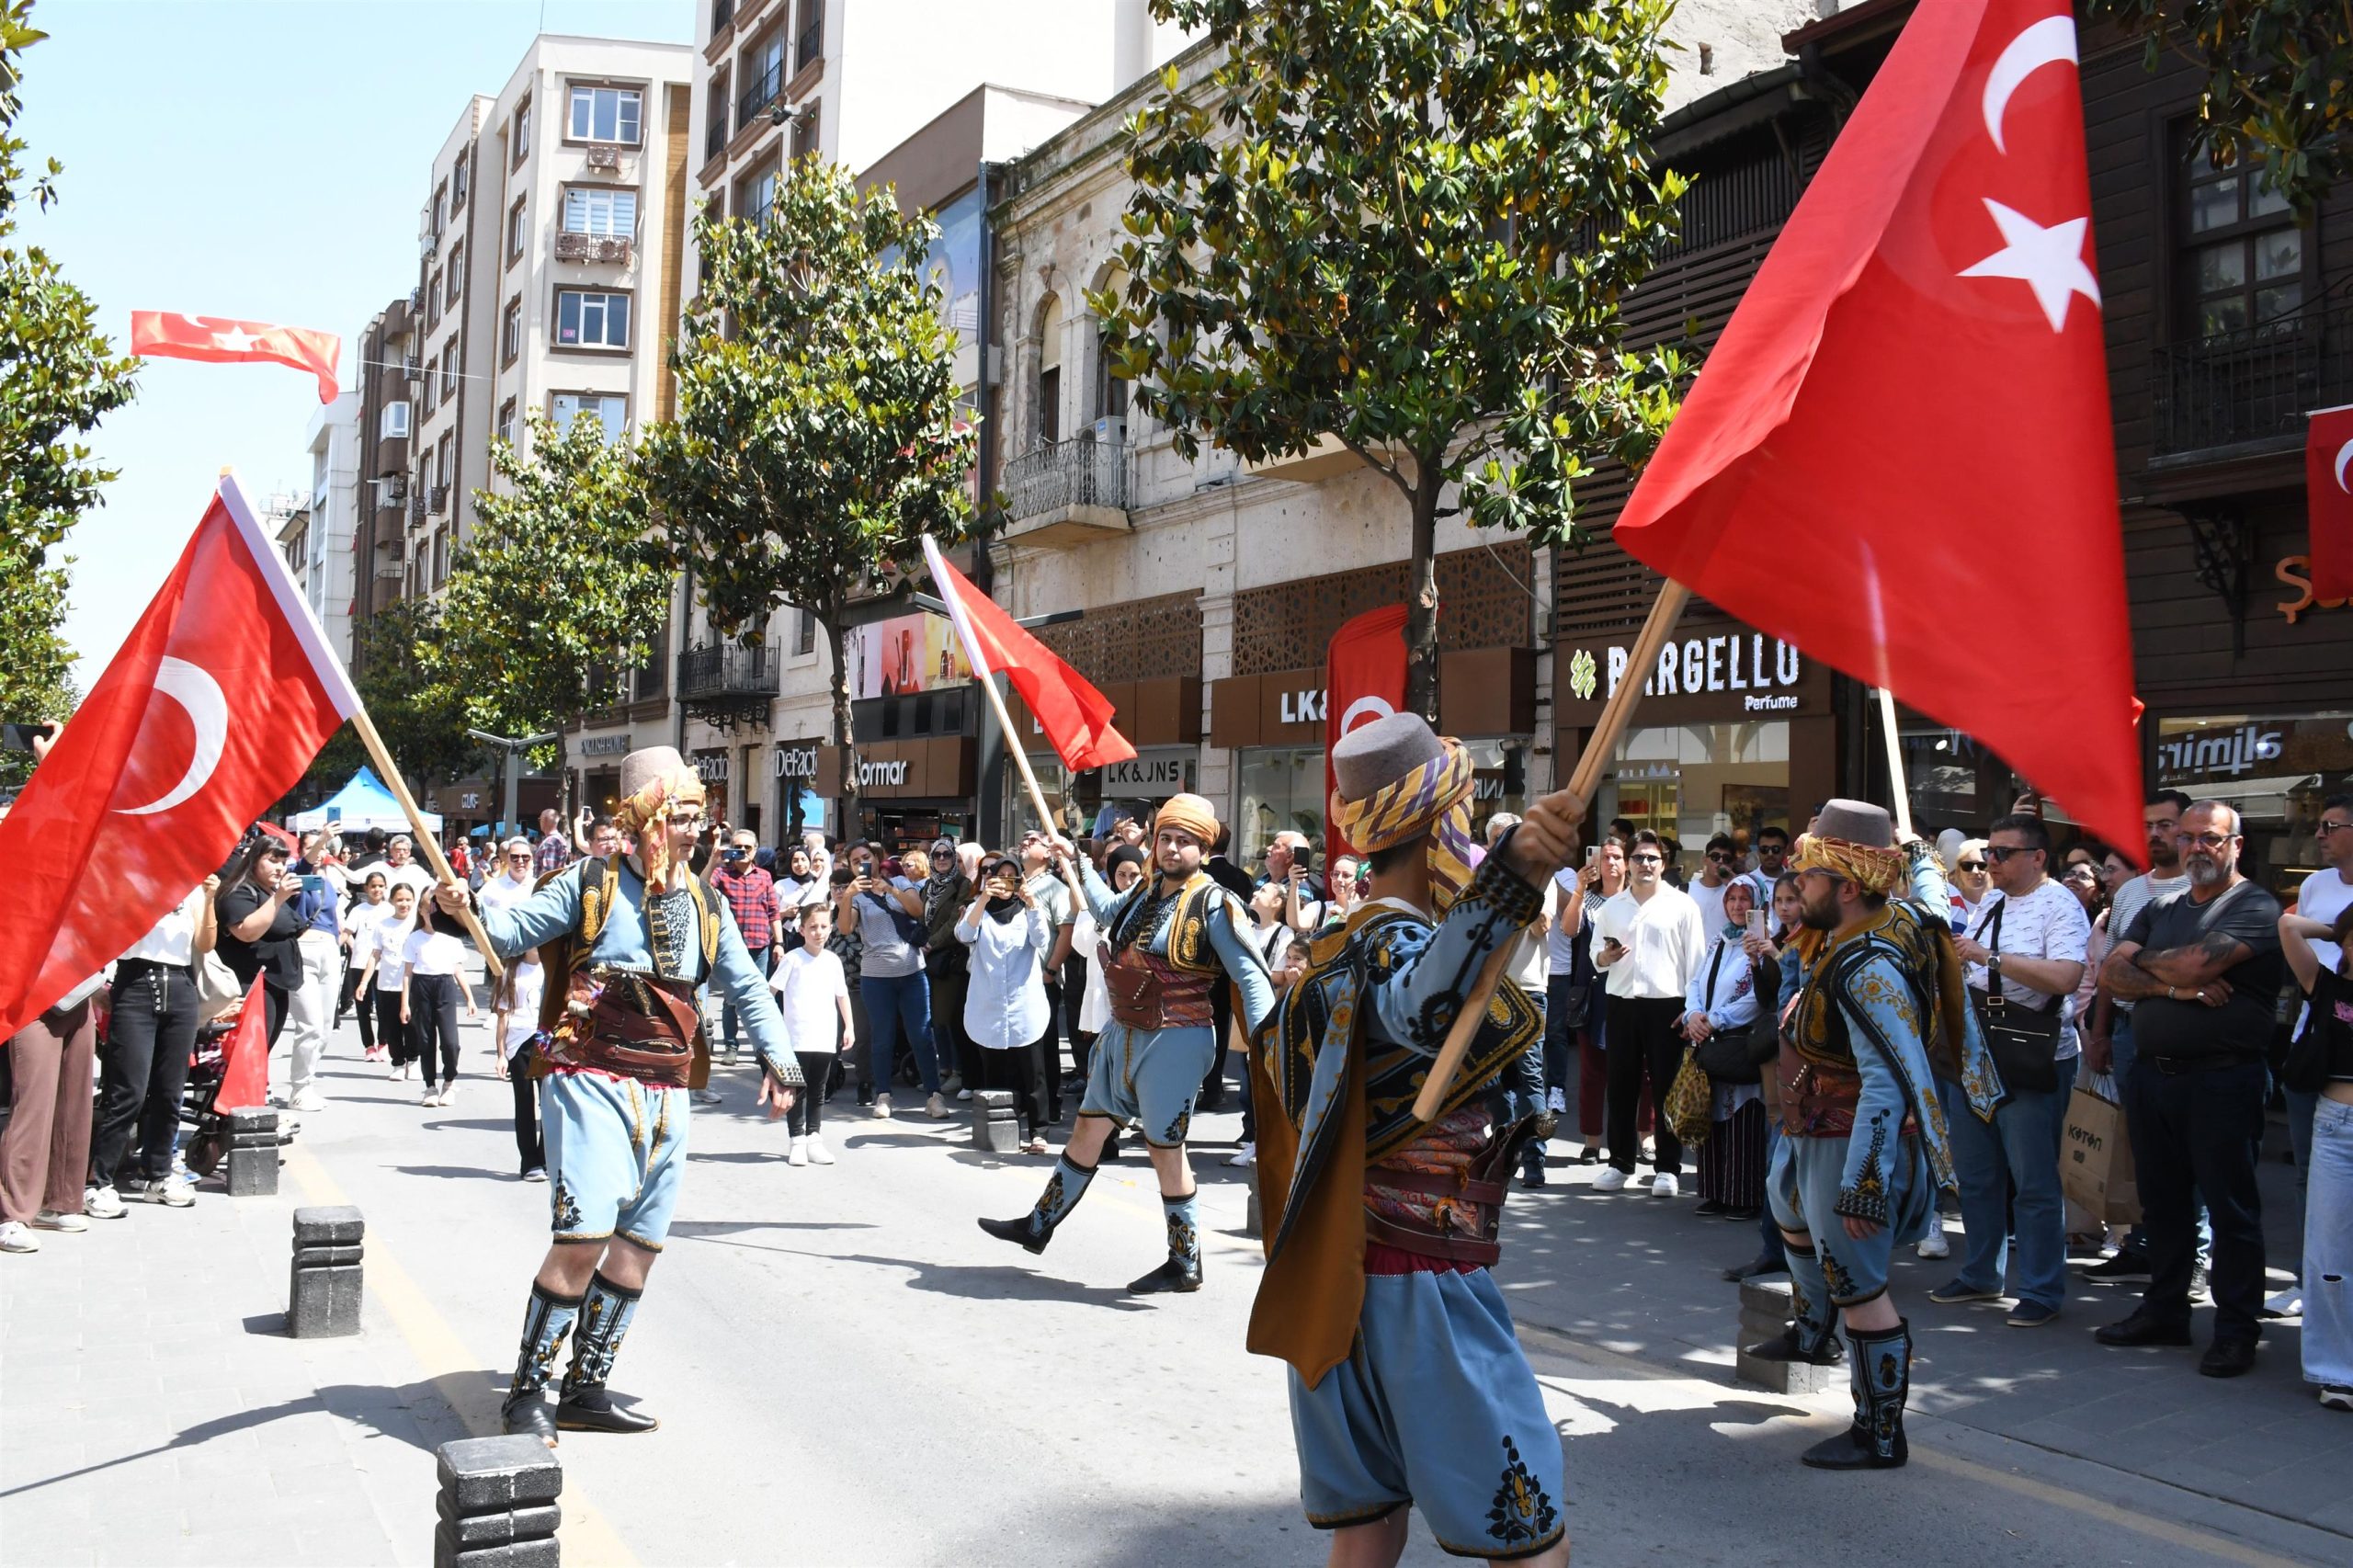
x: 1430, y: 798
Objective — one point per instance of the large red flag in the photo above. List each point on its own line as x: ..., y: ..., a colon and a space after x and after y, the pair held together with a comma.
x: 218, y: 700
x: 2328, y: 490
x: 1899, y: 456
x: 1364, y: 679
x: 217, y: 340
x: 1075, y: 717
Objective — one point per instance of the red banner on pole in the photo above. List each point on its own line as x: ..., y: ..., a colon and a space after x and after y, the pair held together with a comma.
x: 1364, y: 679
x: 2328, y: 491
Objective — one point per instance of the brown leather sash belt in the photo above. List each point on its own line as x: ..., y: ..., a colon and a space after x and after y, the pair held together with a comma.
x: 631, y: 1025
x: 1148, y: 995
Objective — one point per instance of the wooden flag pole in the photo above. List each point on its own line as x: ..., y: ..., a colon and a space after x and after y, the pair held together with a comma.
x: 1570, y: 801
x: 426, y: 837
x: 1902, y: 795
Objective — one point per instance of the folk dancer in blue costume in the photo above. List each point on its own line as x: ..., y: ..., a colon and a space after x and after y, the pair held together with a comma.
x: 1167, y: 941
x: 1866, y: 1154
x: 627, y: 942
x: 1408, y: 1388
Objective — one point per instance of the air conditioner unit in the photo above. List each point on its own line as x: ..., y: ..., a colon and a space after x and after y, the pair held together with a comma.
x: 416, y: 304
x: 606, y: 158
x: 429, y: 244
x: 410, y: 367
x: 1111, y: 430
x: 440, y: 502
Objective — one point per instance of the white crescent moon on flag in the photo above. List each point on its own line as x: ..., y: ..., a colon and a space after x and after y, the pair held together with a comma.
x: 2047, y: 42
x: 2344, y: 456
x: 1368, y: 709
x: 196, y: 691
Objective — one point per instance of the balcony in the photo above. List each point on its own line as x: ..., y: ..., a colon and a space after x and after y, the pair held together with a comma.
x: 2240, y: 394
x: 761, y: 91
x: 728, y: 685
x: 570, y: 246
x: 714, y: 139
x: 1068, y: 493
x: 810, y: 45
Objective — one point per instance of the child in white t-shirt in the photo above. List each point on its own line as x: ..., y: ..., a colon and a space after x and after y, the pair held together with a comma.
x: 812, y: 993
x: 516, y: 1006
x: 358, y: 921
x: 379, y: 947
x: 433, y: 977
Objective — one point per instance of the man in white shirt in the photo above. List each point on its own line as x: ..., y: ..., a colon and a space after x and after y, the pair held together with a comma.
x: 1715, y: 875
x: 2027, y: 937
x: 2323, y: 898
x: 400, y: 868
x: 1649, y: 941
x: 511, y: 880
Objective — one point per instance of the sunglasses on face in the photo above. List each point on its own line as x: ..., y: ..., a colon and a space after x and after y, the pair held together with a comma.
x: 1719, y: 858
x: 2000, y: 852
x: 1971, y: 866
x: 2328, y: 827
x: 1649, y: 860
x: 2210, y: 840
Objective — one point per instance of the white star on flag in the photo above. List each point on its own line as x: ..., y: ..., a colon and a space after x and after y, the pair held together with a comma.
x: 236, y: 340
x: 2049, y: 261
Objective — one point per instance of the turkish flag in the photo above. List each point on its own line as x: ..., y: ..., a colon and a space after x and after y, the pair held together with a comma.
x: 1899, y: 456
x: 217, y: 340
x: 244, y: 1057
x: 215, y: 704
x: 1364, y: 679
x: 1075, y: 717
x: 2328, y: 495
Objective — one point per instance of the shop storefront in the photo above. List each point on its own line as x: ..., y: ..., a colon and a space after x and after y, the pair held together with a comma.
x: 600, y: 769
x: 712, y: 767
x: 1160, y: 717
x: 799, y: 805
x: 2275, y: 769
x: 910, y: 791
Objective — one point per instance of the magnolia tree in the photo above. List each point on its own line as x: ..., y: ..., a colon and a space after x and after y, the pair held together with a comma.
x: 1406, y: 224
x: 818, y: 437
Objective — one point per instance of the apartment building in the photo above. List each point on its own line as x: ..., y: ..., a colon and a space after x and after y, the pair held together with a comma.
x: 331, y: 547
x: 383, y: 428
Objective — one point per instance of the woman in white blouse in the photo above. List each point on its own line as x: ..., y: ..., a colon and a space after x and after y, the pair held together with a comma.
x: 1004, y: 1003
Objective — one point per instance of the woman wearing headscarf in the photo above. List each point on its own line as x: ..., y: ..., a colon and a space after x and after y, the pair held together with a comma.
x: 1723, y: 1000
x: 1009, y: 937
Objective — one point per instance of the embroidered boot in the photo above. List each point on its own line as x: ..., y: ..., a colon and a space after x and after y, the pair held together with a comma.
x: 545, y: 1323
x: 1063, y: 1189
x: 585, y: 1405
x: 1882, y: 1382
x: 1182, y: 1272
x: 1812, y: 1337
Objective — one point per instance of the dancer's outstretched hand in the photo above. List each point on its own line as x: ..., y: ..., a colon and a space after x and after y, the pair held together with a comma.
x: 775, y: 1096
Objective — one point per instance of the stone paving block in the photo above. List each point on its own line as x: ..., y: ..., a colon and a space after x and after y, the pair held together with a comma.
x: 252, y: 1170
x: 496, y: 1507
x: 323, y: 1289
x: 996, y: 1129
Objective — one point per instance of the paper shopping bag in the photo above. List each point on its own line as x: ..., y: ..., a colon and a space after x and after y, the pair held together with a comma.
x: 2096, y: 1164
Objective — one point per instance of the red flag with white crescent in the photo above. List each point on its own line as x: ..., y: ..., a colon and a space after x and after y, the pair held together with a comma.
x: 1909, y: 410
x: 2328, y: 491
x: 215, y: 704
x: 218, y: 340
x: 1364, y: 679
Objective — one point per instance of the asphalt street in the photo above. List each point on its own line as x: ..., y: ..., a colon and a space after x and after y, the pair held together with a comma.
x: 848, y: 1371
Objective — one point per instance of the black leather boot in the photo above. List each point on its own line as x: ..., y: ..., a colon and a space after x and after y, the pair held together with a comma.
x: 587, y: 1405
x: 1019, y: 1230
x: 1882, y: 1382
x: 529, y: 1415
x: 1180, y: 1275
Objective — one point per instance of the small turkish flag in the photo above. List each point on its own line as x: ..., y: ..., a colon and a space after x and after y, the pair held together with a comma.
x: 1364, y: 679
x: 1908, y: 412
x: 244, y: 1057
x: 2328, y: 496
x: 1075, y: 717
x: 217, y: 701
x: 217, y: 340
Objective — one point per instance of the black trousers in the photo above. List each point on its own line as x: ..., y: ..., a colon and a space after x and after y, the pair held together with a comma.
x: 433, y: 1014
x: 1642, y: 1043
x: 353, y: 1002
x: 144, y: 1069
x: 2195, y: 1135
x: 1020, y: 1070
x: 808, y: 1112
x: 1047, y: 1054
x: 530, y: 1150
x: 957, y: 1053
x: 1073, y: 1003
x: 397, y: 1037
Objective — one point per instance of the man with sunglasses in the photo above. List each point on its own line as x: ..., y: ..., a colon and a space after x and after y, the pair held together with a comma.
x: 1772, y: 859
x: 1715, y: 875
x: 751, y: 894
x: 1650, y: 940
x: 2205, y: 966
x: 2026, y: 942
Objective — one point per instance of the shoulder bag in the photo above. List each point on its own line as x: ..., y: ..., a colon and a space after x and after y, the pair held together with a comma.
x: 2023, y: 1041
x: 1727, y: 1056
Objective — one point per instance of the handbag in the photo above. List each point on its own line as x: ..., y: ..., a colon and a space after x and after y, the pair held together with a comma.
x: 2023, y: 1041
x: 1690, y: 1101
x: 216, y: 987
x: 1727, y: 1056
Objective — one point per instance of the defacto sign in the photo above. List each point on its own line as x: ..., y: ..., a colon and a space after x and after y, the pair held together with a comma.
x: 797, y: 761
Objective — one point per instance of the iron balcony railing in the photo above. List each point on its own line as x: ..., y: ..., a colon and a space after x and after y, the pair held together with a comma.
x: 714, y: 141
x: 761, y: 92
x: 728, y: 670
x: 1083, y: 471
x: 2254, y: 385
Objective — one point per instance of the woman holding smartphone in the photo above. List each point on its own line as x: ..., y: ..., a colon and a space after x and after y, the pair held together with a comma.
x: 1004, y: 1006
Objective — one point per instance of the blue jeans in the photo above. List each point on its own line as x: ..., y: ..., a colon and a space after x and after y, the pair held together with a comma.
x: 896, y: 1003
x: 2021, y: 1149
x: 727, y: 1009
x: 2328, y: 1248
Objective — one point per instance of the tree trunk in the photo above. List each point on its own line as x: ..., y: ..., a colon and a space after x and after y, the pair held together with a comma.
x: 844, y: 740
x: 1421, y: 598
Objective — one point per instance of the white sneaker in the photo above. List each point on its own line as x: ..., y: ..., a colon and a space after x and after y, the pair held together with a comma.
x: 935, y: 1107
x: 1933, y: 1243
x: 1610, y: 1179
x: 708, y: 1096
x: 1556, y: 1102
x: 17, y: 1236
x: 799, y: 1154
x: 882, y: 1106
x: 2287, y: 1303
x: 818, y: 1153
x: 58, y: 1220
x: 535, y: 1174
x: 963, y: 1094
x: 174, y: 1191
x: 102, y: 1203
x: 432, y: 1096
x: 309, y: 1099
x: 1247, y: 1157
x: 448, y: 1093
x: 1665, y: 1186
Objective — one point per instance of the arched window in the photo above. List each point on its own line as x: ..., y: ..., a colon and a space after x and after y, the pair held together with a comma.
x: 1108, y: 394
x: 1050, y: 372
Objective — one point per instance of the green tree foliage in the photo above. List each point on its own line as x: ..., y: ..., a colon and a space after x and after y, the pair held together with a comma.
x: 2278, y: 81
x: 566, y: 579
x: 59, y: 377
x: 1408, y: 225
x: 818, y: 437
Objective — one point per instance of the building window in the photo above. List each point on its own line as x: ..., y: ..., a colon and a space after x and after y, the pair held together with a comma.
x: 440, y: 556
x: 441, y: 206
x: 600, y: 209
x: 395, y: 426
x: 1050, y: 373
x: 432, y: 399
x: 605, y: 114
x: 457, y: 181
x: 522, y: 136
x: 756, y: 200
x: 510, y: 331
x: 609, y: 409
x: 449, y: 369
x: 763, y: 79
x: 714, y: 136
x: 515, y: 232
x: 811, y: 44
x: 805, y: 128
x: 804, y: 636
x: 433, y: 299
x: 447, y: 454
x: 585, y: 320
x: 2242, y: 261
x: 2274, y: 769
x: 506, y: 422
x: 457, y: 273
x: 1282, y: 788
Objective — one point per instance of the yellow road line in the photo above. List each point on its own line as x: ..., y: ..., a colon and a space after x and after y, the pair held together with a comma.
x: 455, y: 1372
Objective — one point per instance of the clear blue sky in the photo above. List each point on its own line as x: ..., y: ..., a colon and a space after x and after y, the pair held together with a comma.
x: 262, y: 159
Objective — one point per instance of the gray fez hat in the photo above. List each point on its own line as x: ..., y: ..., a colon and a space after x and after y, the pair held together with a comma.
x: 642, y: 767
x: 1373, y: 756
x: 1857, y: 822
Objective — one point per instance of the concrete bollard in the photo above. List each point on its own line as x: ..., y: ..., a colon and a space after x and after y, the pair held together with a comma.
x: 253, y: 1153
x: 497, y: 1505
x: 322, y: 1295
x: 1765, y: 1315
x: 996, y: 1129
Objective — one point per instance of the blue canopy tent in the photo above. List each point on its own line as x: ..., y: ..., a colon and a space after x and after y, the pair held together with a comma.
x: 361, y: 804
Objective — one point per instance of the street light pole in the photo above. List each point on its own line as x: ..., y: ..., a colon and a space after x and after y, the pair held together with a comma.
x: 513, y: 765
